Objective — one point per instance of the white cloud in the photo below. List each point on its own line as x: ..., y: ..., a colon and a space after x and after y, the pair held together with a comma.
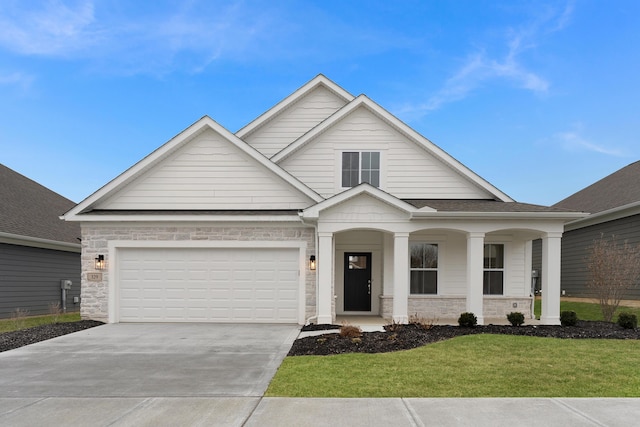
x: 481, y: 68
x: 16, y: 79
x: 574, y: 141
x: 49, y: 28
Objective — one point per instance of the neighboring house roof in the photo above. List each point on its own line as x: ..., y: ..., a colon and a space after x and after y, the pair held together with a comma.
x: 614, y: 196
x: 618, y: 189
x: 30, y: 210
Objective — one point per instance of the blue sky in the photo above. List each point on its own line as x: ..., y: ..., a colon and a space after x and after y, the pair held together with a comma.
x: 541, y: 98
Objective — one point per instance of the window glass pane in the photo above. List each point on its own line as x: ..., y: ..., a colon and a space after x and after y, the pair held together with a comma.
x: 493, y: 256
x: 374, y: 179
x: 424, y: 282
x: 417, y: 255
x: 375, y: 160
x: 350, y: 169
x: 366, y: 161
x: 493, y: 282
x: 357, y: 262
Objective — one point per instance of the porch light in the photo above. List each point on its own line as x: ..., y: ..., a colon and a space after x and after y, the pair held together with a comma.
x: 312, y: 262
x: 100, y: 263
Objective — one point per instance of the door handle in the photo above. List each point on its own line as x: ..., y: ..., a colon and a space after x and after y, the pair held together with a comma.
x: 369, y: 287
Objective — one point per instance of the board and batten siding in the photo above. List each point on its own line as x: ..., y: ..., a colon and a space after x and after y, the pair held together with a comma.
x: 575, y: 244
x: 208, y: 172
x: 30, y: 279
x: 408, y: 170
x: 294, y: 121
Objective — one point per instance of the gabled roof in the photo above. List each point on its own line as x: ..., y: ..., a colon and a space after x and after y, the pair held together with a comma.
x: 319, y: 80
x: 364, y: 188
x: 170, y: 147
x: 421, y: 141
x: 32, y: 210
x: 618, y: 189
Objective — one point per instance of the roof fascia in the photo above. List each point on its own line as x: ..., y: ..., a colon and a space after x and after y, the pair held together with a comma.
x: 605, y: 216
x: 36, y: 242
x: 364, y: 188
x: 564, y: 216
x: 319, y: 80
x: 169, y: 147
x: 363, y: 100
x: 185, y: 218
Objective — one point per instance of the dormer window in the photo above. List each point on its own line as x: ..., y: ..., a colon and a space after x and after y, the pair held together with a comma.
x: 359, y: 167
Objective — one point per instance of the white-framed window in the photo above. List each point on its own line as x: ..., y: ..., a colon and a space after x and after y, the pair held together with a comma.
x: 359, y: 167
x: 423, y: 268
x: 493, y: 281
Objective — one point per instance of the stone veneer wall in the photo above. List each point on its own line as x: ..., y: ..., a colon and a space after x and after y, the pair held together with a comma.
x: 440, y: 307
x: 95, y: 238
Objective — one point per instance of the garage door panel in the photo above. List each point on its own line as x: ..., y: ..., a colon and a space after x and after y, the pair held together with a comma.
x: 208, y: 285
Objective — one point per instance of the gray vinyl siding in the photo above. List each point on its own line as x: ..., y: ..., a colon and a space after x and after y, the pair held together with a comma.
x: 575, y: 245
x: 30, y: 279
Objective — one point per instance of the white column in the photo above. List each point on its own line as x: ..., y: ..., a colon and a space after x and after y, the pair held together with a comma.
x: 400, y: 277
x: 387, y: 283
x: 325, y: 278
x: 551, y: 279
x: 475, y: 292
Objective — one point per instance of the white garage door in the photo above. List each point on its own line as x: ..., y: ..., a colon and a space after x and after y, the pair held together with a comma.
x: 208, y: 285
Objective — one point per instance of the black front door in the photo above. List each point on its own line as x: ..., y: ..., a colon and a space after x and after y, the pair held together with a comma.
x: 357, y: 281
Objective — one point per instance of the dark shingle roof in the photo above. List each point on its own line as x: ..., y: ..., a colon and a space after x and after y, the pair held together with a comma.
x: 29, y: 209
x: 456, y: 205
x: 618, y: 189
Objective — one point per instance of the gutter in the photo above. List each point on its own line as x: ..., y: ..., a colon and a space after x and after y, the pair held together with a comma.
x: 36, y: 242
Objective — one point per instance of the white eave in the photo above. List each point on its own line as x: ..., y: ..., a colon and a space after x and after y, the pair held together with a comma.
x: 313, y: 212
x: 433, y: 149
x: 36, y: 242
x: 319, y: 80
x: 605, y: 216
x: 166, y: 149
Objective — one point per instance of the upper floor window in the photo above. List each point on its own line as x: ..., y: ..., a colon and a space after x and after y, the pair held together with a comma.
x: 424, y: 268
x: 359, y: 167
x: 493, y: 269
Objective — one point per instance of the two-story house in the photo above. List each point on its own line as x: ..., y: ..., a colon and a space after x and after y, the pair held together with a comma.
x: 324, y: 205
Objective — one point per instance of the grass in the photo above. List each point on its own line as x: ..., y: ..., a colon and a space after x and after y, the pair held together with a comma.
x: 471, y: 366
x: 18, y: 323
x: 586, y: 311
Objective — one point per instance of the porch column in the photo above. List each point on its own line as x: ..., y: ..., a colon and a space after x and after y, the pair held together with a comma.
x: 325, y: 280
x: 475, y: 292
x: 400, y: 277
x: 551, y: 279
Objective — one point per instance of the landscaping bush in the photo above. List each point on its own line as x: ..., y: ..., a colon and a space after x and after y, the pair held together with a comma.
x: 468, y: 320
x: 568, y: 318
x: 628, y: 320
x: 515, y: 318
x: 350, y: 331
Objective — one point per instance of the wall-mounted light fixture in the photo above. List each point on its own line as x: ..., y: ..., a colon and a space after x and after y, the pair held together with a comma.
x: 100, y: 263
x: 312, y: 262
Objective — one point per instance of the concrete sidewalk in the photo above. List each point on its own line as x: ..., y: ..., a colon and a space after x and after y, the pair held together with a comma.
x: 265, y: 412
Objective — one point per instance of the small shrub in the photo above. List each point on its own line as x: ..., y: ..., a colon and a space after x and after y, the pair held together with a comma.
x: 515, y: 318
x: 393, y: 326
x: 568, y: 318
x: 422, y: 322
x: 350, y: 331
x: 19, y: 318
x: 55, y: 311
x: 468, y: 320
x: 628, y: 320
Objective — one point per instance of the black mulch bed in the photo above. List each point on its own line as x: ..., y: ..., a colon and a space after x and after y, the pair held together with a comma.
x: 405, y: 337
x: 15, y: 339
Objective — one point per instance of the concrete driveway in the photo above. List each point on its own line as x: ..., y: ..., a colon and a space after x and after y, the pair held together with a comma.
x: 149, y: 360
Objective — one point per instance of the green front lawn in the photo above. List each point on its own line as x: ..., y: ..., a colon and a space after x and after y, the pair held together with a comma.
x: 471, y: 366
x: 585, y: 310
x: 9, y: 325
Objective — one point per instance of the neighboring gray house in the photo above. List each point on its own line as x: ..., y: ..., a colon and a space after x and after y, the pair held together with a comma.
x: 37, y: 249
x: 614, y: 205
x: 326, y: 205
